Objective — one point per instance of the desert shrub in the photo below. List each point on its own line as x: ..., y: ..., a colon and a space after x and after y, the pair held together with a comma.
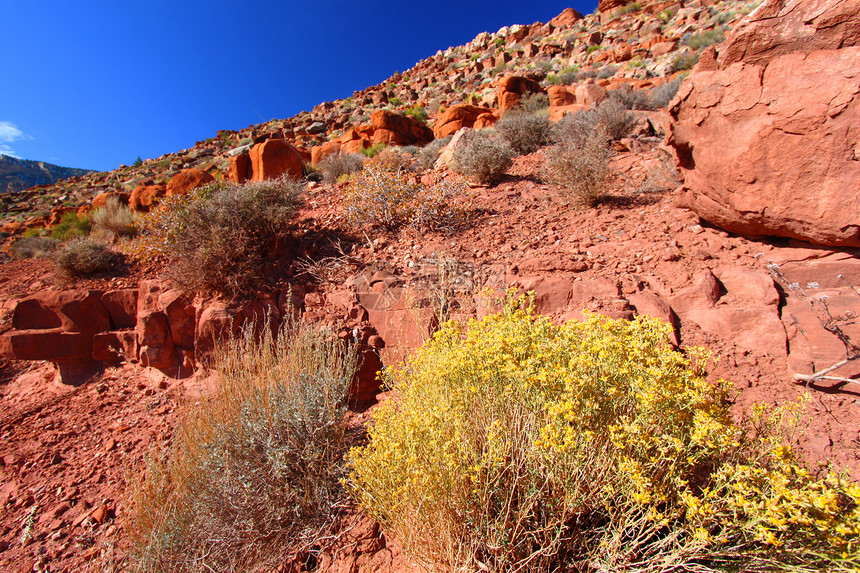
x: 581, y: 169
x: 606, y: 72
x: 255, y: 475
x: 591, y: 49
x: 533, y: 102
x: 215, y: 237
x: 380, y: 194
x: 609, y: 117
x: 33, y: 246
x: 71, y: 226
x: 116, y: 218
x: 661, y: 95
x: 427, y: 155
x: 84, y: 257
x: 525, y: 132
x: 684, y: 61
x: 373, y: 149
x: 441, y: 206
x: 632, y: 99
x: 518, y: 444
x: 703, y: 39
x: 418, y: 113
x: 341, y: 163
x: 483, y: 156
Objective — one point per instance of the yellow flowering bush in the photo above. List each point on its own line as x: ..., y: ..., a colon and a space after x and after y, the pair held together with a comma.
x: 516, y: 444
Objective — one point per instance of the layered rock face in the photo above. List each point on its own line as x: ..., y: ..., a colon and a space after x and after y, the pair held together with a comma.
x: 766, y: 131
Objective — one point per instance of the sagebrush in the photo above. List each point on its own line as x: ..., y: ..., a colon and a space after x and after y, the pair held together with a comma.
x: 216, y: 237
x: 483, y: 156
x: 255, y: 478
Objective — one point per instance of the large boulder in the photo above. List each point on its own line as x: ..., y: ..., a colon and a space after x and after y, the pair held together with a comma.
x: 568, y: 17
x: 187, y: 180
x: 144, y: 197
x: 766, y: 131
x: 513, y: 88
x: 395, y: 129
x: 456, y: 118
x: 274, y: 158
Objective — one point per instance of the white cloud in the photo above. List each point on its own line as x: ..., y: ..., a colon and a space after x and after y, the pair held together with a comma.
x: 9, y: 133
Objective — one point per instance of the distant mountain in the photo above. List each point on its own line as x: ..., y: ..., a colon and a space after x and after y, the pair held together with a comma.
x: 20, y: 174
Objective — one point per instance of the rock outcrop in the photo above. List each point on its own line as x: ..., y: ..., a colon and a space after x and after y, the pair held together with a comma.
x: 766, y: 130
x: 187, y: 180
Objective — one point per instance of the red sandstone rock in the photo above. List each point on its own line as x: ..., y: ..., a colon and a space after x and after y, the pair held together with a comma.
x: 186, y: 180
x: 589, y: 94
x: 568, y: 17
x: 512, y: 88
x: 143, y: 197
x: 76, y: 311
x: 766, y: 135
x: 122, y: 307
x: 156, y: 344
x: 320, y: 152
x: 275, y: 157
x: 180, y: 312
x: 101, y: 199
x: 395, y: 129
x: 560, y: 95
x: 457, y: 117
x: 240, y: 168
x: 115, y: 346
x: 606, y: 5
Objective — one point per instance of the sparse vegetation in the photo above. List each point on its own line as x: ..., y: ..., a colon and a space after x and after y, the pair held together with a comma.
x: 684, y: 61
x: 533, y: 102
x: 609, y: 116
x: 70, y: 226
x: 525, y: 132
x: 116, y: 218
x: 632, y: 99
x: 580, y: 167
x: 34, y: 246
x: 84, y: 257
x: 518, y: 444
x: 483, y: 156
x: 381, y: 194
x: 256, y: 474
x: 385, y: 194
x: 339, y: 164
x: 701, y: 40
x: 664, y: 93
x: 427, y: 155
x: 373, y: 149
x: 215, y: 237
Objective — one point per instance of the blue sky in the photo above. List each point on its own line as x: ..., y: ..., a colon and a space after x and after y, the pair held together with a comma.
x: 95, y: 84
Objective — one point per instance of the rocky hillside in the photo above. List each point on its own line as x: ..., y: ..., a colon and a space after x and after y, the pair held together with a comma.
x: 729, y: 212
x: 624, y: 44
x: 20, y: 174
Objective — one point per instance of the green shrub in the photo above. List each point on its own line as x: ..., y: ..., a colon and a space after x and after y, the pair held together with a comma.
x: 525, y: 132
x: 116, y: 218
x: 84, y: 257
x: 33, y: 246
x: 216, y: 237
x: 418, y: 113
x: 255, y: 478
x: 517, y: 444
x: 483, y: 156
x: 71, y: 226
x: 339, y: 164
x: 581, y: 168
x: 591, y: 49
x: 706, y: 38
x: 373, y: 149
x: 684, y: 61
